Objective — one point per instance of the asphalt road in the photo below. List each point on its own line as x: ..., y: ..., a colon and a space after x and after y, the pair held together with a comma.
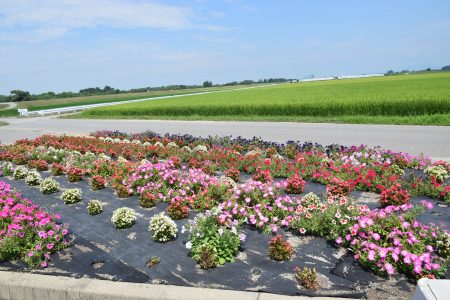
x: 433, y: 141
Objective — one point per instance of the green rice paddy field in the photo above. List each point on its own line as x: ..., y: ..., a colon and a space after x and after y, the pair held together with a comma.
x: 404, y: 99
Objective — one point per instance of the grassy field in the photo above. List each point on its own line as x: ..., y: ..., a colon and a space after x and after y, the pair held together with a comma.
x: 3, y: 123
x: 407, y: 99
x: 3, y: 106
x: 67, y: 102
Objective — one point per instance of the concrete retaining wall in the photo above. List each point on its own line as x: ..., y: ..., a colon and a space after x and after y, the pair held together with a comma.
x: 26, y: 286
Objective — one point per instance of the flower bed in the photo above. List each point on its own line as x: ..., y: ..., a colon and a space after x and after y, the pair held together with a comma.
x: 27, y: 232
x: 184, y: 173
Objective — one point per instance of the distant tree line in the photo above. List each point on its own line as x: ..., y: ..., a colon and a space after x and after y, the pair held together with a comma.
x: 19, y: 95
x: 392, y: 72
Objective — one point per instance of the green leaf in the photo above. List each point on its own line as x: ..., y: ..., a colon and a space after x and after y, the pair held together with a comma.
x: 221, y: 260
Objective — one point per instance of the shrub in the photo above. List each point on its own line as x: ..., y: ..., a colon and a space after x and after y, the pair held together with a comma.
x: 94, y: 207
x: 147, y: 199
x: 57, y: 169
x: 395, y: 195
x: 280, y: 249
x: 123, y: 217
x: 233, y: 173
x: 163, y: 228
x: 74, y: 174
x: 49, y: 186
x: 98, y: 182
x: 20, y: 172
x: 71, y: 196
x: 33, y: 178
x: 295, y: 184
x: 210, y: 240
x: 307, y: 278
x: 177, y: 210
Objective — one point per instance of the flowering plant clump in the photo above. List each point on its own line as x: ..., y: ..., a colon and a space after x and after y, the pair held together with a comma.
x: 262, y: 175
x: 49, y: 186
x: 20, y: 172
x: 6, y: 169
x: 177, y: 210
x: 71, y: 196
x: 38, y: 164
x: 280, y: 249
x: 98, y: 182
x: 395, y: 195
x: 74, y: 174
x: 148, y: 199
x: 94, y: 207
x: 440, y: 172
x: 258, y: 204
x: 33, y: 178
x: 233, y: 174
x: 295, y: 184
x: 391, y: 240
x: 122, y: 191
x: 57, y: 169
x: 29, y: 233
x: 163, y: 228
x: 310, y: 201
x: 338, y: 189
x: 211, y: 242
x: 307, y: 277
x: 123, y: 217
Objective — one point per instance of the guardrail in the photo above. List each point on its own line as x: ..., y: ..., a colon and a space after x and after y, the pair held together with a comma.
x: 62, y: 110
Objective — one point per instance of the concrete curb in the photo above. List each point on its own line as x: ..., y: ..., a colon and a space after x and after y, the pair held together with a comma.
x: 26, y: 286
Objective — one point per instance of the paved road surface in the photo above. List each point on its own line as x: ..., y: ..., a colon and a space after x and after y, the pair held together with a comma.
x: 430, y: 140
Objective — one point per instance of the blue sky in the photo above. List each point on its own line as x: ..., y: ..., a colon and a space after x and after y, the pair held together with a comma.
x: 66, y: 45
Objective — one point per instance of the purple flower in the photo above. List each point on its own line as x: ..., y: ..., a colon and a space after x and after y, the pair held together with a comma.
x: 389, y: 268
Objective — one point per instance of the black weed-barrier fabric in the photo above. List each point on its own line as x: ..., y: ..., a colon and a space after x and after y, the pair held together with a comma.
x: 101, y: 251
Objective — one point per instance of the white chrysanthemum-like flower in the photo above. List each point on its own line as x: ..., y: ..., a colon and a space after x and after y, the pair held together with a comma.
x: 186, y: 148
x: 172, y: 145
x: 33, y: 178
x: 310, y: 199
x: 163, y: 228
x: 200, y: 148
x: 49, y: 186
x: 71, y: 196
x: 159, y: 144
x: 94, y: 207
x: 438, y: 171
x: 253, y: 152
x: 122, y: 160
x: 20, y: 172
x: 189, y: 245
x: 123, y: 217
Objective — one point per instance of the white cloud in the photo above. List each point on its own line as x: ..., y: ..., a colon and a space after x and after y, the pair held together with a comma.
x: 43, y: 19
